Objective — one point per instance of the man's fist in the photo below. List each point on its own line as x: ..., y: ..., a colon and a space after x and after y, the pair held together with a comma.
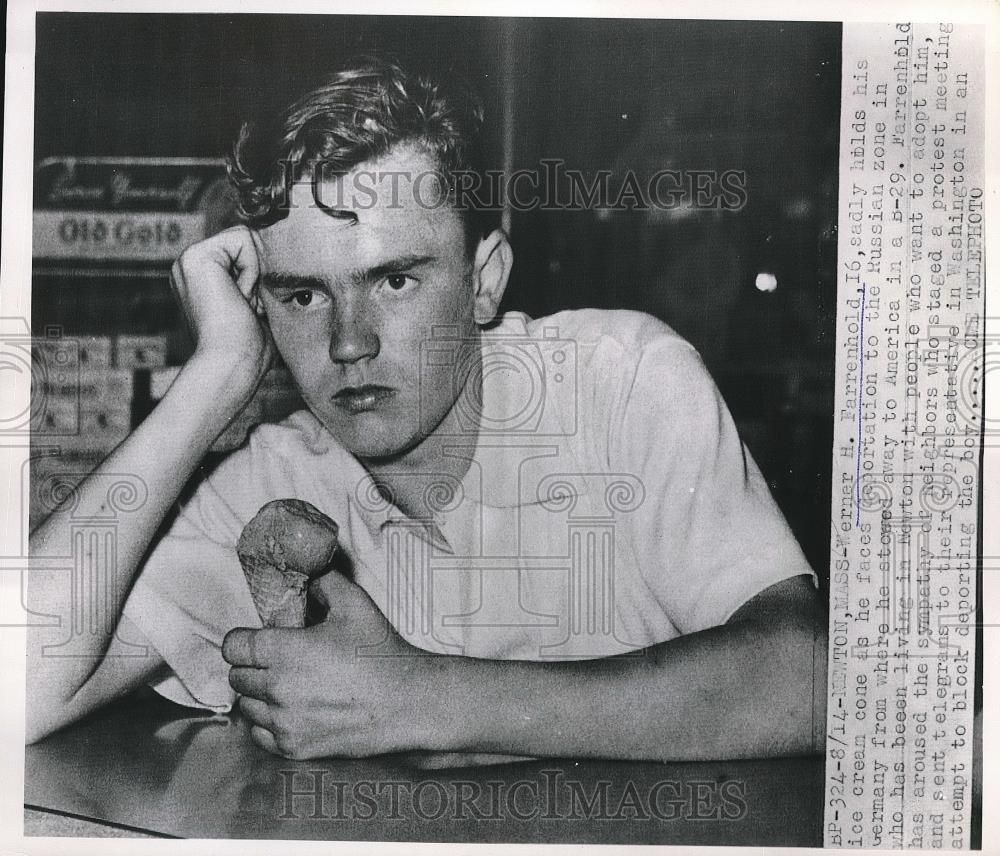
x: 216, y: 282
x: 350, y: 686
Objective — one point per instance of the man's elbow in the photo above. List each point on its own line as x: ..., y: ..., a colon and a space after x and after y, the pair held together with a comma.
x: 791, y: 679
x: 819, y: 687
x: 46, y: 713
x: 800, y: 667
x: 36, y: 729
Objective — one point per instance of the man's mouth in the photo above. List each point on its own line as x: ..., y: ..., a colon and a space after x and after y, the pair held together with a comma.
x: 358, y: 399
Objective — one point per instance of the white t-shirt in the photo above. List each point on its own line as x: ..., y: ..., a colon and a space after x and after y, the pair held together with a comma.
x: 609, y: 505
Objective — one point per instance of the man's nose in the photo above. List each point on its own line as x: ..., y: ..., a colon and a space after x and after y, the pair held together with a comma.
x: 353, y: 334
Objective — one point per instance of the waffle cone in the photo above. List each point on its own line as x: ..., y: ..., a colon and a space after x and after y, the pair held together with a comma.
x: 280, y: 596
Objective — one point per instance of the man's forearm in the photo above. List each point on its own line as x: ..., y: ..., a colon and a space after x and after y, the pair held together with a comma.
x: 745, y: 689
x: 160, y: 455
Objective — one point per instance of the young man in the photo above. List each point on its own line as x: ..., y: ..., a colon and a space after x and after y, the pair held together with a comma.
x: 553, y: 541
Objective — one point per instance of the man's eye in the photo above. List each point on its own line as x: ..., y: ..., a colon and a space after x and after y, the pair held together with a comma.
x: 302, y: 298
x: 397, y: 281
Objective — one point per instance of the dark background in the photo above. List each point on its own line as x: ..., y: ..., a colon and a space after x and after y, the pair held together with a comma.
x: 599, y: 94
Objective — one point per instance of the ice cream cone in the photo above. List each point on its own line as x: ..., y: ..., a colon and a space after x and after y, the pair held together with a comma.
x: 285, y: 545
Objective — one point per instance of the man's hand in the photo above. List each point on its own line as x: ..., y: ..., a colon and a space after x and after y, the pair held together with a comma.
x: 754, y: 687
x: 350, y: 686
x: 216, y: 282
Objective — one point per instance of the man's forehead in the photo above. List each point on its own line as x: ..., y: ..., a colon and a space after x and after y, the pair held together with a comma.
x: 406, y: 178
x: 392, y: 204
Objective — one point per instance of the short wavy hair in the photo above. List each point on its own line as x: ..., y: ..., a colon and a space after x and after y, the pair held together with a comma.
x: 357, y: 115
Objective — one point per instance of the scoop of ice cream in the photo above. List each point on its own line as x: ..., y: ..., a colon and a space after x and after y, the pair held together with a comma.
x: 287, y: 543
x: 292, y: 535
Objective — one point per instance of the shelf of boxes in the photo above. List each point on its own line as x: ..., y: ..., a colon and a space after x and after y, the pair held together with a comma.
x: 89, y: 392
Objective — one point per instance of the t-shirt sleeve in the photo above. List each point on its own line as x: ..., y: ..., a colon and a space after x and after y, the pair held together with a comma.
x: 191, y: 590
x: 710, y: 534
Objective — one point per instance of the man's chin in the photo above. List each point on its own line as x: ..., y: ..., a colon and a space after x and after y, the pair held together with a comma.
x: 373, y: 446
x: 376, y: 440
x: 379, y: 454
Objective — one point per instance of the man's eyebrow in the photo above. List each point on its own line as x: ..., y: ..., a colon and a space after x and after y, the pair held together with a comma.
x: 399, y: 264
x: 274, y: 280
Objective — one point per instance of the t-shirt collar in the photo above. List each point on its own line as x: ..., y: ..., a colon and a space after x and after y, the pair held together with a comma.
x: 484, y: 484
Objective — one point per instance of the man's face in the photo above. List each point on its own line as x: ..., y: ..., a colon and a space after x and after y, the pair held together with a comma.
x: 350, y: 303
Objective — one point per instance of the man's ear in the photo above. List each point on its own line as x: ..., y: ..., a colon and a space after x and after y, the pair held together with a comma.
x: 490, y: 270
